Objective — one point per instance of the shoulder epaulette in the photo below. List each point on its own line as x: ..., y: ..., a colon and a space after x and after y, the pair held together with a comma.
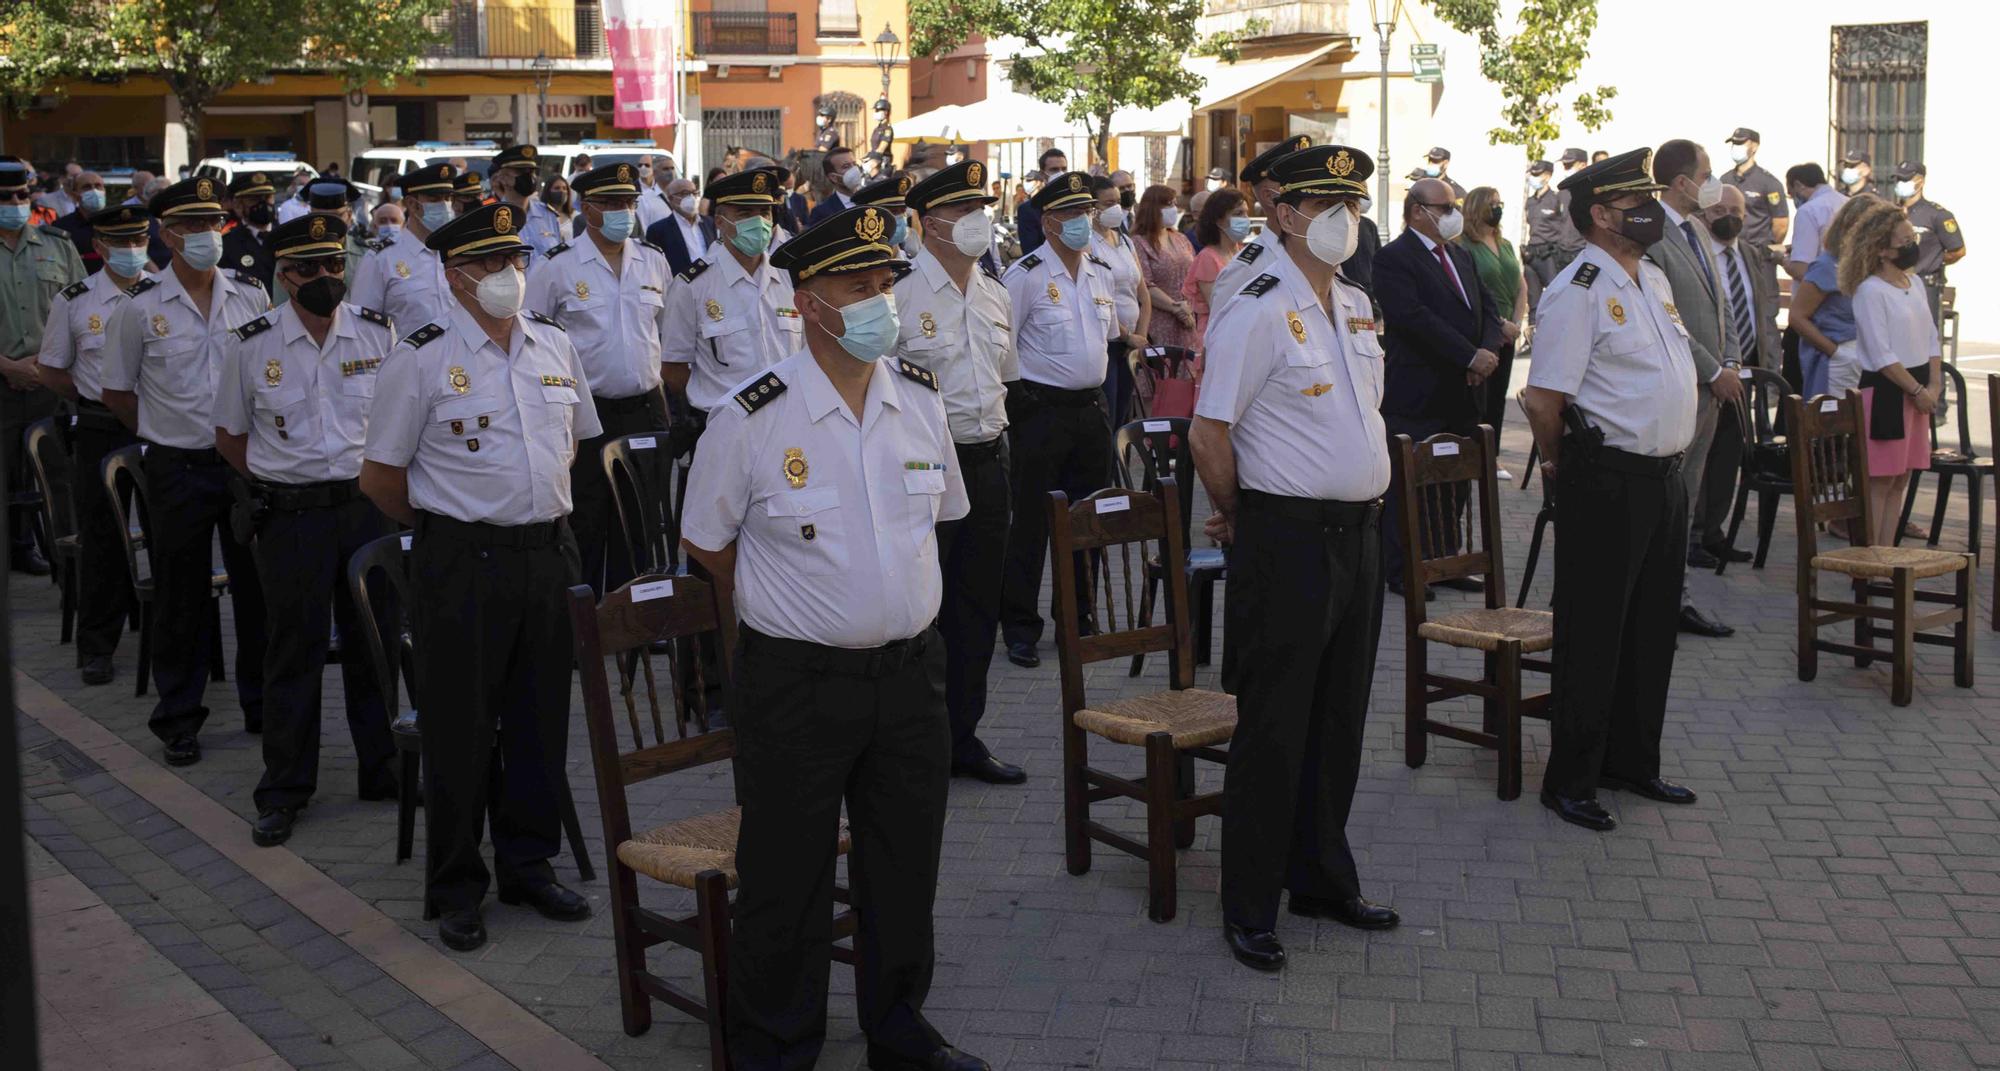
x: 1031, y: 262
x: 53, y: 231
x: 558, y: 250
x: 916, y: 373
x: 1261, y: 285
x: 252, y: 329
x: 988, y: 269
x: 375, y: 317
x: 541, y: 319
x: 75, y: 290
x: 1093, y: 258
x: 141, y: 287
x: 693, y: 270
x: 661, y: 250
x: 759, y: 394
x: 1586, y: 274
x: 1250, y: 252
x: 423, y: 334
x: 376, y: 245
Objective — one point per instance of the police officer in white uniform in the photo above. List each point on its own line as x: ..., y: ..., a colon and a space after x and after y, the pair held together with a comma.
x: 608, y: 290
x: 1246, y: 264
x: 291, y: 414
x: 476, y: 421
x: 404, y: 279
x: 71, y: 360
x: 815, y: 495
x: 1059, y: 428
x: 1611, y: 400
x: 162, y: 355
x: 954, y: 320
x: 1289, y: 441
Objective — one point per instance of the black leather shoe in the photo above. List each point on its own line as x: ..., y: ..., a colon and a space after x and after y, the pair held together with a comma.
x: 27, y: 559
x: 552, y: 900
x: 1354, y: 911
x: 1023, y: 655
x: 274, y: 827
x: 1656, y: 788
x: 183, y: 751
x: 943, y: 1058
x: 1464, y: 583
x: 1258, y: 949
x: 98, y: 670
x: 991, y: 770
x: 1396, y: 588
x: 1693, y: 620
x: 1700, y: 558
x: 1586, y: 813
x: 1727, y: 553
x: 462, y: 931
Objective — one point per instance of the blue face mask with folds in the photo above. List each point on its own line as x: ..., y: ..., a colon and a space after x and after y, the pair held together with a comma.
x: 92, y: 200
x: 902, y: 231
x: 125, y: 261
x: 1076, y: 233
x: 871, y: 327
x: 14, y: 217
x: 436, y: 214
x: 617, y: 224
x: 1239, y: 227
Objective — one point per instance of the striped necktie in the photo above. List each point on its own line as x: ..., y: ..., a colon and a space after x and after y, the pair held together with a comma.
x: 1740, y: 308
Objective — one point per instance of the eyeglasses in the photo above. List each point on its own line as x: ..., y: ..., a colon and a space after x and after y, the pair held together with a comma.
x: 194, y: 226
x: 493, y: 262
x: 11, y: 197
x: 308, y: 269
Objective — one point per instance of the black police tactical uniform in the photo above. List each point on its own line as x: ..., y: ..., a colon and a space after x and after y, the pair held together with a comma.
x: 1543, y: 253
x: 248, y: 252
x: 1937, y: 234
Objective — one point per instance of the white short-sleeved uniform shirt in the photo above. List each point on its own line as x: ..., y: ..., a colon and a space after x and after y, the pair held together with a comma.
x: 544, y: 229
x: 728, y: 324
x: 304, y: 405
x: 652, y: 207
x: 1617, y: 347
x: 405, y: 281
x: 74, y: 336
x: 1126, y: 278
x: 1249, y: 262
x: 1301, y: 389
x: 833, y: 517
x: 1893, y: 324
x: 160, y: 347
x: 1810, y: 222
x: 487, y: 434
x: 615, y: 321
x: 962, y: 339
x: 1063, y: 326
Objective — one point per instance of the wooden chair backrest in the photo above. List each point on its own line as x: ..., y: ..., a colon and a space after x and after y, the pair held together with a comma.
x: 52, y: 473
x: 623, y: 629
x: 640, y: 469
x: 1163, y: 450
x: 1122, y: 519
x: 1431, y: 478
x: 381, y: 569
x: 125, y: 482
x: 1829, y: 449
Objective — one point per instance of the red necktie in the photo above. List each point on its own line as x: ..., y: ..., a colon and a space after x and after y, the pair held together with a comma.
x: 1445, y: 263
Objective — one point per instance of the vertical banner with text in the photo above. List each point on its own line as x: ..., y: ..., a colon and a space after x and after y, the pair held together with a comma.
x: 645, y: 62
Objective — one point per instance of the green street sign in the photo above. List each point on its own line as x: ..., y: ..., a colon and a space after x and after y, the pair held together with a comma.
x: 1426, y: 63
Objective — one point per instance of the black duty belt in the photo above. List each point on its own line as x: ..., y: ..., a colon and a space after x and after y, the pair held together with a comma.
x: 638, y: 403
x: 1040, y: 394
x: 971, y: 453
x: 1537, y: 250
x: 846, y: 661
x: 305, y: 496
x: 207, y: 455
x: 1315, y: 510
x: 539, y: 534
x: 1611, y: 457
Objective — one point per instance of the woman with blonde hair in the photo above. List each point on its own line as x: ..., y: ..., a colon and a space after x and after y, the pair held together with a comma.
x: 1898, y: 347
x: 1823, y: 315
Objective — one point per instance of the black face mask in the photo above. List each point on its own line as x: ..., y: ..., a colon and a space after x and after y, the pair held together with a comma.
x: 1125, y: 198
x: 321, y: 296
x: 524, y: 182
x: 1643, y: 223
x: 258, y: 215
x: 1906, y: 256
x: 1725, y: 228
x: 1496, y: 214
x: 556, y: 199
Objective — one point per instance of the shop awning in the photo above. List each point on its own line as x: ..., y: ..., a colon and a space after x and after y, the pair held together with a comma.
x: 1227, y: 82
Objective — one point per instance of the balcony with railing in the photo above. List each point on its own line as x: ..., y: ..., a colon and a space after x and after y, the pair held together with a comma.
x: 1266, y: 20
x: 745, y: 33
x: 556, y: 30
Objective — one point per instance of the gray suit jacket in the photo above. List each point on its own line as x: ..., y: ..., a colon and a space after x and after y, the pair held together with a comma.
x: 1704, y: 311
x: 1763, y: 301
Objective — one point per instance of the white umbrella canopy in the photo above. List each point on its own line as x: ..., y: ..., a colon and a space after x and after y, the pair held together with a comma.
x: 938, y: 124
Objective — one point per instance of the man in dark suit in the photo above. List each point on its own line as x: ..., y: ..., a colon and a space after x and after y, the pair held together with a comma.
x: 1443, y: 331
x: 1028, y: 218
x: 843, y: 178
x: 684, y: 233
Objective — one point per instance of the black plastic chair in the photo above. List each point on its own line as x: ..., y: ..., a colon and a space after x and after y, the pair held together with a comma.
x: 125, y: 482
x: 1149, y: 366
x: 1947, y: 463
x: 641, y: 471
x: 1163, y: 450
x: 54, y: 475
x: 389, y: 557
x: 1767, y: 463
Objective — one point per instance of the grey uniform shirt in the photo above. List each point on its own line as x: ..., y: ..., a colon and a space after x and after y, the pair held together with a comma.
x: 727, y: 324
x: 616, y: 321
x: 1300, y: 389
x: 487, y: 434
x: 304, y: 405
x: 74, y: 335
x: 1763, y: 201
x: 963, y: 339
x: 1611, y: 344
x: 1246, y: 265
x: 160, y: 347
x: 1063, y: 326
x: 405, y: 280
x: 834, y: 518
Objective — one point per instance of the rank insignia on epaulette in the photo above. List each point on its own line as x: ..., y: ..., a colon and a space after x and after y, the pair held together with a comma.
x: 759, y: 394
x: 1094, y: 259
x: 248, y: 331
x: 1031, y: 262
x: 75, y: 290
x: 541, y: 319
x: 424, y: 334
x: 795, y: 468
x: 1261, y: 285
x: 141, y: 287
x: 374, y: 317
x: 693, y: 271
x: 273, y: 372
x: 1251, y: 252
x: 1298, y: 327
x: 917, y: 373
x: 1585, y: 275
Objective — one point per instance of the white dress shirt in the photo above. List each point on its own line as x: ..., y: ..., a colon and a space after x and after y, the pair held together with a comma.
x: 304, y: 404
x: 161, y: 347
x: 728, y: 324
x: 405, y: 281
x: 1450, y: 266
x: 74, y: 336
x: 616, y: 321
x: 1062, y: 325
x: 1810, y: 222
x: 963, y: 339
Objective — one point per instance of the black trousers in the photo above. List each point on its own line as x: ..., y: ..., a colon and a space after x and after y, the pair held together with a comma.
x: 1304, y: 615
x: 1418, y: 429
x: 103, y: 586
x: 1054, y: 445
x: 189, y: 503
x: 607, y: 561
x: 493, y: 686
x: 970, y: 552
x: 1493, y: 397
x: 302, y: 556
x: 1710, y: 524
x: 1543, y: 261
x: 810, y: 734
x: 1619, y: 567
x: 1118, y: 383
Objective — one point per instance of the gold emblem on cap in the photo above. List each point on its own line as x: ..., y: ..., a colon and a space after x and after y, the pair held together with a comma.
x: 795, y: 466
x: 1075, y: 182
x: 870, y: 227
x: 1297, y: 325
x: 273, y: 372
x: 317, y: 229
x: 624, y: 172
x: 503, y: 220
x: 975, y: 174
x: 258, y: 179
x: 1616, y: 310
x: 460, y: 382
x: 903, y: 183
x: 1342, y: 165
x: 446, y: 171
x: 159, y: 326
x: 204, y: 190
x: 714, y: 310
x: 527, y: 152
x: 759, y: 183
x: 927, y: 324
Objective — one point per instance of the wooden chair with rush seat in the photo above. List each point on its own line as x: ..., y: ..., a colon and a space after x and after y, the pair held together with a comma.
x: 696, y: 853
x: 1174, y: 726
x: 1830, y: 483
x: 1441, y: 542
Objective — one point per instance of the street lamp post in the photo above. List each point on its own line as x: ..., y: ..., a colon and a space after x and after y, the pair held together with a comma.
x: 1382, y: 29
x: 544, y: 71
x: 888, y: 48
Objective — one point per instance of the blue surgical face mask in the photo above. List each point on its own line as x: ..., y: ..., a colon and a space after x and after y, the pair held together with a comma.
x: 1433, y: 170
x: 92, y: 200
x: 1239, y: 227
x: 388, y: 231
x: 751, y: 236
x: 1076, y: 233
x: 202, y: 250
x: 617, y: 224
x: 436, y: 214
x: 125, y: 261
x: 14, y: 217
x: 902, y: 231
x: 871, y: 327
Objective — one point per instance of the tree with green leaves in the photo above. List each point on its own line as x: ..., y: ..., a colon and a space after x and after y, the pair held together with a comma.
x: 1533, y: 65
x: 203, y: 48
x: 1089, y: 56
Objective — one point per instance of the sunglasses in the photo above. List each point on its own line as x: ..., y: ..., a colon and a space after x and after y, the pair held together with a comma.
x: 308, y: 269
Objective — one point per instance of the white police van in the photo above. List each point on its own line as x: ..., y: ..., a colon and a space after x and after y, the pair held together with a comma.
x: 376, y: 169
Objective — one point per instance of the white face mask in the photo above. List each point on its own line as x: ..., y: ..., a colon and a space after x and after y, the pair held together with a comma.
x: 1905, y: 190
x: 852, y: 178
x: 1055, y: 173
x: 1112, y: 217
x: 1739, y: 152
x: 950, y: 159
x: 972, y: 234
x: 1850, y: 175
x: 1215, y: 184
x: 1710, y: 193
x: 1450, y: 225
x: 1170, y: 216
x: 500, y: 293
x: 687, y: 205
x: 1332, y: 235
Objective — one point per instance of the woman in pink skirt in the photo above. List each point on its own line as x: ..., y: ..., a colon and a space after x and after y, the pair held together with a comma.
x: 1899, y: 354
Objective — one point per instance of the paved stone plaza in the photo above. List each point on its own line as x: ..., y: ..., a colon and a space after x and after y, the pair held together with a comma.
x: 1833, y: 901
